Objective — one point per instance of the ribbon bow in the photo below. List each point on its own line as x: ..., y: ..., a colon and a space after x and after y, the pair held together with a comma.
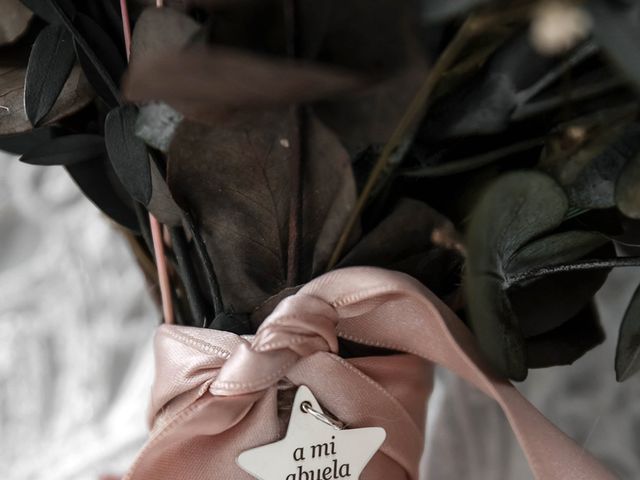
x: 216, y: 394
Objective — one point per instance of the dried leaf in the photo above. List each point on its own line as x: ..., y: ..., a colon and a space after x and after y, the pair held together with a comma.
x: 75, y: 95
x: 628, y: 349
x: 371, y: 36
x: 50, y: 63
x: 66, y: 150
x: 14, y: 21
x: 410, y: 240
x: 236, y: 181
x: 159, y: 31
x: 207, y: 83
x: 369, y: 117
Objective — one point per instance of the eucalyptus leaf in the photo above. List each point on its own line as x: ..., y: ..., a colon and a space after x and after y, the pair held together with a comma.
x: 50, y: 63
x: 628, y: 349
x: 506, y: 234
x: 616, y: 26
x: 589, y: 174
x: 14, y: 21
x: 567, y: 343
x: 128, y: 153
x: 484, y: 103
x: 98, y: 182
x: 243, y: 209
x: 66, y: 150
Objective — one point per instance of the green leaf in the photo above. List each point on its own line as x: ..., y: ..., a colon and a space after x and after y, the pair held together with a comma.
x: 512, y: 231
x: 567, y: 343
x: 616, y: 27
x: 628, y: 349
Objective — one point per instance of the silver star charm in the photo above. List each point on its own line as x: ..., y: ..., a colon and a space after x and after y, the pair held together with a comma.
x: 315, y: 447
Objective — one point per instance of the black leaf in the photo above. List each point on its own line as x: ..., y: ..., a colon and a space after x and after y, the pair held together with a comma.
x: 98, y: 182
x: 66, y: 150
x: 46, y: 10
x: 101, y: 60
x: 128, y: 153
x: 20, y: 143
x: 51, y: 60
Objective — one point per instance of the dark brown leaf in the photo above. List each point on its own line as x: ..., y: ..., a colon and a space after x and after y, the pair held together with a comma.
x: 204, y: 84
x: 414, y: 239
x: 14, y: 20
x: 236, y: 181
x: 369, y: 117
x: 75, y: 95
x: 159, y: 31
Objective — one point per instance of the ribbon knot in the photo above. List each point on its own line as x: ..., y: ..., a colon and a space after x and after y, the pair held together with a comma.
x: 299, y: 327
x: 216, y: 393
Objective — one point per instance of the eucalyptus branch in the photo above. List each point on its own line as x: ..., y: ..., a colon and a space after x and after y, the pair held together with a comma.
x: 403, y: 135
x: 590, y: 264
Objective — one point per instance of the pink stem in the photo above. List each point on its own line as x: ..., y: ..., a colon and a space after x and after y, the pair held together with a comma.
x: 156, y: 228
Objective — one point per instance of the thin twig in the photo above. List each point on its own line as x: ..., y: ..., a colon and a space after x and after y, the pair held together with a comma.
x: 597, y: 264
x: 295, y: 159
x: 156, y: 228
x: 188, y: 275
x: 79, y: 39
x: 404, y: 132
x: 477, y: 161
x: 210, y: 274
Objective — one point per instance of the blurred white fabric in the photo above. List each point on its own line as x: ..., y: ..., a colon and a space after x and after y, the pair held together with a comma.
x: 76, y: 364
x: 75, y: 330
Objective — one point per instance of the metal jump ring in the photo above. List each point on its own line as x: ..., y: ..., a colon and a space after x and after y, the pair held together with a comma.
x: 306, y: 407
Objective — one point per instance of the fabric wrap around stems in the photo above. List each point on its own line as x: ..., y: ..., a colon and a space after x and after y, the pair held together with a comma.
x: 216, y: 393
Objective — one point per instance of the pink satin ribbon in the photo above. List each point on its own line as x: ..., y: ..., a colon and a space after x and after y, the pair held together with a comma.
x: 216, y: 394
